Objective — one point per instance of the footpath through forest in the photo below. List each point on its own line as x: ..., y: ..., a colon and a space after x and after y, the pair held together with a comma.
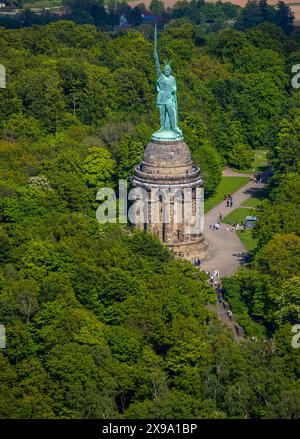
x: 225, y: 248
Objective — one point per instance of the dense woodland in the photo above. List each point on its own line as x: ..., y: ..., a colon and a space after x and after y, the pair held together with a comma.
x: 106, y: 14
x: 101, y: 320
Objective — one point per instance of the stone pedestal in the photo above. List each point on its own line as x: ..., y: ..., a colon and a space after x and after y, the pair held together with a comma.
x: 172, y: 184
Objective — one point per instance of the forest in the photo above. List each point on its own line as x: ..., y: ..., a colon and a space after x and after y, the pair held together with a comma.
x: 101, y: 320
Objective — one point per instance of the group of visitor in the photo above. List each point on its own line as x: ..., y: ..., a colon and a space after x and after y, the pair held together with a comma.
x: 214, y: 280
x: 229, y: 314
x: 197, y: 262
x: 215, y: 226
x: 229, y: 200
x: 235, y: 227
x: 258, y: 178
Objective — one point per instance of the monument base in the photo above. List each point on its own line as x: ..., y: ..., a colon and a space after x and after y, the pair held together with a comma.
x: 190, y: 250
x: 168, y: 168
x: 166, y: 136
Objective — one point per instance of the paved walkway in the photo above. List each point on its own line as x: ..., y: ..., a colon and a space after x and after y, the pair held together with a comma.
x: 222, y: 315
x: 225, y: 247
x: 228, y: 172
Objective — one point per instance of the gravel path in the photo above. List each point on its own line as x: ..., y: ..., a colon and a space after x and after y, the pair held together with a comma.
x: 225, y: 247
x: 222, y: 315
x: 228, y: 172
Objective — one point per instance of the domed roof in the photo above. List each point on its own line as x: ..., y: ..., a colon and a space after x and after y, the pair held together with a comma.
x: 166, y: 155
x: 167, y: 163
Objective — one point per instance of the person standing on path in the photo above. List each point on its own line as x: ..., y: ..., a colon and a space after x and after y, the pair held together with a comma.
x: 229, y: 313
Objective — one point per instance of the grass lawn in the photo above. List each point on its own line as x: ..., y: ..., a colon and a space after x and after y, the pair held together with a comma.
x: 42, y: 3
x: 227, y: 185
x: 252, y: 202
x: 238, y: 215
x: 246, y: 237
x: 257, y: 199
x: 259, y: 163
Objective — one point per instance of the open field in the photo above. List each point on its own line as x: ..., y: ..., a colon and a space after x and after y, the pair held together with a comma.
x: 42, y: 4
x: 295, y: 6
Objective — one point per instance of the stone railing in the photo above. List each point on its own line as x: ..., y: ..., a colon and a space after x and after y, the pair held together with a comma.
x: 173, y: 179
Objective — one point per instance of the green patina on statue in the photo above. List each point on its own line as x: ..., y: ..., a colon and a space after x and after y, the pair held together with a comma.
x: 166, y: 101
